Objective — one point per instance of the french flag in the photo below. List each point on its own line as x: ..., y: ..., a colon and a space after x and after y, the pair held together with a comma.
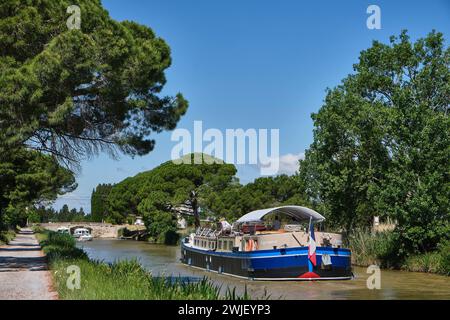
x: 312, y: 244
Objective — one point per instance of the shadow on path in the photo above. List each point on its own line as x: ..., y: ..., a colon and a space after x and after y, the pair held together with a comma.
x: 23, y: 270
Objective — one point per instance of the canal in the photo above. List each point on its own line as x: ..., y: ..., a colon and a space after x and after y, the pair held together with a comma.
x: 164, y: 261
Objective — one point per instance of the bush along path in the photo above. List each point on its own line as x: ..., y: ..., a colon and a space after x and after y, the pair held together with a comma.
x: 23, y: 270
x: 124, y: 280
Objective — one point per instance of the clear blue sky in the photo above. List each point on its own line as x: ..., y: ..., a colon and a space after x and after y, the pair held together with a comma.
x: 255, y: 64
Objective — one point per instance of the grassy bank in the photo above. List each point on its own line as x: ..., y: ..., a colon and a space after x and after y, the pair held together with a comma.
x: 120, y: 280
x: 6, y: 236
x: 381, y: 249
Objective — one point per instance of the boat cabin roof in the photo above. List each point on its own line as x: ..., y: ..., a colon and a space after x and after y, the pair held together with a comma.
x: 297, y: 212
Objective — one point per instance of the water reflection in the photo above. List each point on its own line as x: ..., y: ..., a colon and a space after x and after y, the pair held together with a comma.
x: 164, y: 261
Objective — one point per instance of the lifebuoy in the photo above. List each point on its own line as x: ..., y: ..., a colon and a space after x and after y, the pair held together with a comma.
x: 251, y: 245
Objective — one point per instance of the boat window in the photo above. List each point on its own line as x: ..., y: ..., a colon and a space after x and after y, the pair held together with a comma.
x: 219, y: 243
x: 225, y: 245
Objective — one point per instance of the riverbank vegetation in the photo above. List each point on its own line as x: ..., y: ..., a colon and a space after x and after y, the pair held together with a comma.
x: 381, y: 248
x: 6, y: 236
x: 119, y: 280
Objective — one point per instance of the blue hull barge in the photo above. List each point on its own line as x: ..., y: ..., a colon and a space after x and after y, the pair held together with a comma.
x: 258, y: 248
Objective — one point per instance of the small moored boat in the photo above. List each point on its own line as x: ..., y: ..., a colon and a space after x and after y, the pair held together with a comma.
x: 82, y: 234
x: 255, y: 248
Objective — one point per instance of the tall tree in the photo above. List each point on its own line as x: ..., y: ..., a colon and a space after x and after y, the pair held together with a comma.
x: 99, y: 199
x: 71, y: 93
x: 74, y: 92
x: 155, y: 194
x: 381, y: 142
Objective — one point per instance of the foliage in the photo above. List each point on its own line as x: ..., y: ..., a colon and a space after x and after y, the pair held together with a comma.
x: 121, y: 280
x: 67, y: 94
x: 6, y: 236
x: 374, y: 248
x: 37, y: 229
x: 155, y: 194
x: 98, y: 202
x: 381, y: 143
x: 382, y: 249
x: 74, y: 92
x: 434, y: 262
x: 47, y: 214
x: 60, y: 246
x: 26, y: 178
x: 264, y: 192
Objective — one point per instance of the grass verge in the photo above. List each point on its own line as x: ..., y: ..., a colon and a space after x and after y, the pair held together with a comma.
x: 122, y: 280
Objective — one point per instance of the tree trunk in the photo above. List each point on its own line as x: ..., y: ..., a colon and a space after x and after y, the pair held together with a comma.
x: 196, y: 216
x: 194, y: 205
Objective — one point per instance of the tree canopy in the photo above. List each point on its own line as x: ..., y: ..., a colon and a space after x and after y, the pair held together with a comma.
x: 381, y: 142
x: 74, y: 92
x: 70, y: 93
x: 99, y: 207
x: 26, y: 178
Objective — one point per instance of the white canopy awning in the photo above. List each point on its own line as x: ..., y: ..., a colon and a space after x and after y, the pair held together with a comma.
x: 296, y: 212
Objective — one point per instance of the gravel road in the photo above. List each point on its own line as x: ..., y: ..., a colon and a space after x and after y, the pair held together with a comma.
x: 23, y: 270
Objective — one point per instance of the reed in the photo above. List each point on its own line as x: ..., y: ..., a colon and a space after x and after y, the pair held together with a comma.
x: 381, y: 248
x: 373, y: 248
x: 434, y: 262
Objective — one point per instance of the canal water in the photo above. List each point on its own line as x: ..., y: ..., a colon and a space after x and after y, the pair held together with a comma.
x: 164, y: 261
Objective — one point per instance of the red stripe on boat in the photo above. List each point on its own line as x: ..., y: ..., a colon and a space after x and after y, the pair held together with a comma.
x: 309, y: 275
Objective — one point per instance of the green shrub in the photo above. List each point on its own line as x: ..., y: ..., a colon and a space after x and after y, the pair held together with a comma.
x: 374, y: 248
x: 434, y: 262
x: 169, y: 237
x: 427, y: 262
x: 37, y: 229
x: 59, y: 246
x: 444, y: 249
x: 6, y: 236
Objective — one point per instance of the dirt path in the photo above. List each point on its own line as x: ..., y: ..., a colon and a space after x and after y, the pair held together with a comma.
x: 23, y: 270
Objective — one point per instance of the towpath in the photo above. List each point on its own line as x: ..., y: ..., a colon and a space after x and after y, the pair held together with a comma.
x: 23, y: 270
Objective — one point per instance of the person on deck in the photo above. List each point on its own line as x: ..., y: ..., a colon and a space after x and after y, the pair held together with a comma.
x: 225, y: 226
